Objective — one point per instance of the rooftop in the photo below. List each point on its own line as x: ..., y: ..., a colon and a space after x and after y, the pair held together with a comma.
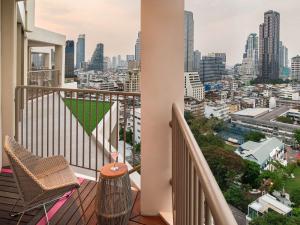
x: 268, y: 201
x: 259, y: 151
x: 252, y: 112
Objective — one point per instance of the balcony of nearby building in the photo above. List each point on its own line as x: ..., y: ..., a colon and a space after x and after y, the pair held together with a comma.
x: 170, y: 178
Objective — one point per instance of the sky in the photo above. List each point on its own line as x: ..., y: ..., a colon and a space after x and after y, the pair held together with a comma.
x: 220, y: 26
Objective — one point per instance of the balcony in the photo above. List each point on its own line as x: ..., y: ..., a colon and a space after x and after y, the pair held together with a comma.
x: 48, y: 123
x: 84, y: 126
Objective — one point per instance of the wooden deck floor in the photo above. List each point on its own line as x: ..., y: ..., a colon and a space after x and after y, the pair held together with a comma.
x: 70, y: 213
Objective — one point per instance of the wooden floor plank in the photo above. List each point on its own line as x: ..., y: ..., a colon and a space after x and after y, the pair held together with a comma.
x: 77, y: 216
x: 63, y: 210
x: 70, y: 212
x: 74, y: 206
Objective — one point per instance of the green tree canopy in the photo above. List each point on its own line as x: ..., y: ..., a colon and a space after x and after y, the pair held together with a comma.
x: 251, y: 175
x: 254, y: 136
x: 297, y: 135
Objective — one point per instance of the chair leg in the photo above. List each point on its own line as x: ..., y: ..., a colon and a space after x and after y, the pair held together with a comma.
x: 46, y: 214
x: 22, y: 214
x: 81, y: 206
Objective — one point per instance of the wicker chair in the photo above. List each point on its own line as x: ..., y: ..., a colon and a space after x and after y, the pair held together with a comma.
x: 39, y: 180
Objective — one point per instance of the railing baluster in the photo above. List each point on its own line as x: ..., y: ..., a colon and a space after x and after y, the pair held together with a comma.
x: 58, y: 136
x: 37, y: 123
x: 97, y: 120
x: 53, y: 123
x: 90, y: 136
x: 77, y: 127
x: 117, y: 128
x: 47, y: 123
x: 103, y: 130
x: 26, y: 117
x: 124, y: 131
x: 110, y: 121
x: 42, y: 118
x: 65, y: 123
x: 133, y: 133
x: 71, y: 127
x: 83, y: 133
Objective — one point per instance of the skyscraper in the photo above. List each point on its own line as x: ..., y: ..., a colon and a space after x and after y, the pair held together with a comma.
x: 97, y: 60
x: 138, y: 48
x: 188, y: 41
x: 80, y: 50
x: 249, y: 68
x: 269, y: 36
x: 69, y: 59
x: 196, y: 61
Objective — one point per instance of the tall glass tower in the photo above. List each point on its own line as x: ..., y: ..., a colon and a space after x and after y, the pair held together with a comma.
x: 269, y: 37
x: 188, y: 41
x: 69, y: 59
x: 97, y: 60
x: 138, y: 48
x: 80, y: 50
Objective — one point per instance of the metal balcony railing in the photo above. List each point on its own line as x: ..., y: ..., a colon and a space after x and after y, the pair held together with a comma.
x: 197, y: 198
x: 44, y: 78
x: 81, y: 125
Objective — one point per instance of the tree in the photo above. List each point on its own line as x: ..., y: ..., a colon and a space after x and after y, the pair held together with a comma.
x: 226, y: 166
x: 237, y: 196
x: 297, y: 135
x: 129, y: 136
x: 295, y: 197
x: 254, y: 136
x: 270, y: 218
x: 252, y: 172
x: 284, y: 119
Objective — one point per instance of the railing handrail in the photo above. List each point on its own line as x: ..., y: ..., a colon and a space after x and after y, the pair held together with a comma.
x: 43, y: 70
x: 219, y: 208
x: 88, y: 91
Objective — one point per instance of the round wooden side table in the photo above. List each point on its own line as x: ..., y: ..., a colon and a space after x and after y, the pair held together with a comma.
x: 113, y: 199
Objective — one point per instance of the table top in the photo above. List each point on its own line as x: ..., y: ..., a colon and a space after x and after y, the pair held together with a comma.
x: 107, y: 172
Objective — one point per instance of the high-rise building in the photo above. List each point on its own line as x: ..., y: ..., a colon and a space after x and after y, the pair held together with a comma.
x: 138, y: 48
x: 211, y: 69
x: 296, y: 68
x: 132, y: 81
x: 188, y: 41
x: 69, y: 59
x: 269, y: 37
x: 130, y: 58
x: 197, y: 58
x: 249, y: 68
x: 220, y: 55
x: 114, y: 62
x: 193, y: 86
x: 80, y: 50
x: 97, y: 60
x: 283, y: 55
x: 106, y: 63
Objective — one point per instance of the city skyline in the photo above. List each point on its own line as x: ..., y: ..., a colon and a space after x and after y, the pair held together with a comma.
x: 234, y: 20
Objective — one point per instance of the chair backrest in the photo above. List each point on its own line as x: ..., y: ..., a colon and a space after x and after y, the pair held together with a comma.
x: 28, y: 185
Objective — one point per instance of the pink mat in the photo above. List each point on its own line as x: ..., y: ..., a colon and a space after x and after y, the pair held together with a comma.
x: 56, y: 206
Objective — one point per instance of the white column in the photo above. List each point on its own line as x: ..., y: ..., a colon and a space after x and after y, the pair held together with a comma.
x: 162, y: 84
x: 60, y: 62
x: 8, y: 65
x: 20, y: 55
